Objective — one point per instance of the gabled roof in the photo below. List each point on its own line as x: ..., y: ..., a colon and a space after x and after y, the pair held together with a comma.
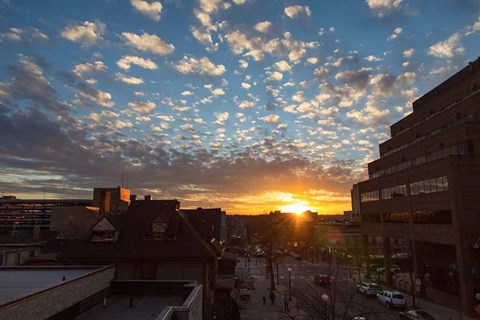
x: 135, y: 223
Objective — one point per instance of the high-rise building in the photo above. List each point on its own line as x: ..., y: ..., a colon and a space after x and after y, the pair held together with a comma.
x: 422, y: 198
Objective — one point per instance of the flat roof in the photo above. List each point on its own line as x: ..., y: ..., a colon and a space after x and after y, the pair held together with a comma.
x: 143, y: 307
x: 18, y: 282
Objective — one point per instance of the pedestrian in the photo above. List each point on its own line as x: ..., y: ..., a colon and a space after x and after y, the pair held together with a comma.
x: 285, y: 303
x: 272, y: 297
x: 264, y: 299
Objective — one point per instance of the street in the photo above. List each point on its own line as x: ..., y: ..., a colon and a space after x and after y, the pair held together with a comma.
x: 304, y: 290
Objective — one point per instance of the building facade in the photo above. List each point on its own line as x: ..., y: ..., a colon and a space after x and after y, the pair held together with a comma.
x: 422, y: 198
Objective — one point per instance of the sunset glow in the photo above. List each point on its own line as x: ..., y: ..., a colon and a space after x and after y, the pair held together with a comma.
x: 297, y: 208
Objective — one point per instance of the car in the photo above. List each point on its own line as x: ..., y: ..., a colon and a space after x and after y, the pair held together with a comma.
x: 369, y: 288
x: 296, y: 256
x: 415, y: 315
x: 392, y: 299
x: 323, y: 279
x: 395, y: 269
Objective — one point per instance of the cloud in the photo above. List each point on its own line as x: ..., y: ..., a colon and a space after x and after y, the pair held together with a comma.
x: 263, y: 27
x: 387, y: 84
x: 142, y: 107
x: 408, y: 53
x: 148, y: 43
x: 295, y: 11
x: 239, y: 2
x: 213, y: 5
x: 272, y: 118
x: 383, y: 7
x: 276, y: 76
x: 395, y: 34
x: 119, y: 124
x: 358, y: 78
x: 447, y: 48
x: 370, y: 115
x: 218, y: 92
x: 312, y: 60
x: 88, y: 33
x: 26, y: 34
x: 128, y: 80
x: 152, y: 10
x: 221, y: 118
x: 29, y: 83
x: 126, y: 62
x: 203, y: 37
x: 246, y: 85
x: 98, y: 97
x: 283, y: 66
x: 246, y: 104
x: 83, y: 68
x: 202, y: 66
x: 473, y: 28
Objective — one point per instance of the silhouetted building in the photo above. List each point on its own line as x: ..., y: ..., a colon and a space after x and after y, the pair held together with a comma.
x: 422, y: 195
x: 210, y: 223
x: 152, y: 240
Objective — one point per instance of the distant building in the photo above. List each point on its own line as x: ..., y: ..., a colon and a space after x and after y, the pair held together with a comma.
x: 422, y: 196
x: 18, y: 213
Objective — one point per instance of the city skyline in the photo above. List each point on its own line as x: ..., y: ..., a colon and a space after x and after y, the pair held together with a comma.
x: 247, y: 105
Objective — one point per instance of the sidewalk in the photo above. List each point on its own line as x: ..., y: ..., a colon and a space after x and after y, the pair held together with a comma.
x: 255, y: 309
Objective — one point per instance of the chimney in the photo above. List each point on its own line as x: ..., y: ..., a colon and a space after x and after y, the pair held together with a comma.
x: 148, y: 197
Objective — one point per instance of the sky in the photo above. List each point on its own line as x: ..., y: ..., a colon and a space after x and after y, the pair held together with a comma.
x: 247, y: 105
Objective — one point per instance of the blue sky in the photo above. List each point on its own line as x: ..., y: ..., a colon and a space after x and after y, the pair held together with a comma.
x: 245, y: 104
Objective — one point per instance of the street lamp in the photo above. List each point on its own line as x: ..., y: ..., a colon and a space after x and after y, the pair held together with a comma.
x: 325, y: 299
x: 290, y: 284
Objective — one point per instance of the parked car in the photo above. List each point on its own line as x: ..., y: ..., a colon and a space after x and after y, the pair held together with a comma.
x: 369, y: 288
x: 415, y: 315
x: 394, y: 268
x: 392, y: 299
x: 323, y: 279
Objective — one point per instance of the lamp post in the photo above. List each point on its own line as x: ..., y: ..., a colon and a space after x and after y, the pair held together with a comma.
x: 289, y: 284
x: 325, y: 299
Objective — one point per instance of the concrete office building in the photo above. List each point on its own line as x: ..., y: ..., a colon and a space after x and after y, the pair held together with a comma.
x: 422, y: 195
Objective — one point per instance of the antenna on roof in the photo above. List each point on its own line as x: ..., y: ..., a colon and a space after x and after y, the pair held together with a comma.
x: 123, y: 173
x: 127, y: 181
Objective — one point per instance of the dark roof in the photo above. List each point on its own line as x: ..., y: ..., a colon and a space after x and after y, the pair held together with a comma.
x: 134, y: 224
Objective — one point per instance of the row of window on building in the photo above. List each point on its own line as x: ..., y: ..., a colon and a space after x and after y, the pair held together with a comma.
x: 461, y: 149
x: 417, y: 217
x: 432, y: 185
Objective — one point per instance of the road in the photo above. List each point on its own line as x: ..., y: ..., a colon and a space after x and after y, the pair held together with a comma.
x: 344, y: 289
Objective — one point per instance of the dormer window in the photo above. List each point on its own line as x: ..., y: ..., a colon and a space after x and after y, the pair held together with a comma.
x: 159, y: 228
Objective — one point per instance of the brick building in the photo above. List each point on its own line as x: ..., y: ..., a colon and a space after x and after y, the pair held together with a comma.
x: 422, y: 193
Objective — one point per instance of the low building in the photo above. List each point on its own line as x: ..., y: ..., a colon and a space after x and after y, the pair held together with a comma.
x: 85, y: 293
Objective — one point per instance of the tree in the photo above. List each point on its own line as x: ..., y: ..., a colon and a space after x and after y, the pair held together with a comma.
x: 355, y: 254
x: 329, y: 303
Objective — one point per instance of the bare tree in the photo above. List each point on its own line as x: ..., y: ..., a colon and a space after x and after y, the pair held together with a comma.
x: 328, y: 303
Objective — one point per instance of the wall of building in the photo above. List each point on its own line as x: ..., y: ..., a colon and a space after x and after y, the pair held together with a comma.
x: 16, y: 257
x: 52, y: 301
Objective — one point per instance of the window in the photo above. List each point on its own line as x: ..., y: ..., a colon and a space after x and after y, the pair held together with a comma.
x: 370, y: 196
x: 432, y: 185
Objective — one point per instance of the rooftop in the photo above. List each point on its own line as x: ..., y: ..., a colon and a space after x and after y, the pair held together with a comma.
x: 19, y: 282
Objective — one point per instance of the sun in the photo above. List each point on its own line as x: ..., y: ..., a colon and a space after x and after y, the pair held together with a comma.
x: 297, y: 208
